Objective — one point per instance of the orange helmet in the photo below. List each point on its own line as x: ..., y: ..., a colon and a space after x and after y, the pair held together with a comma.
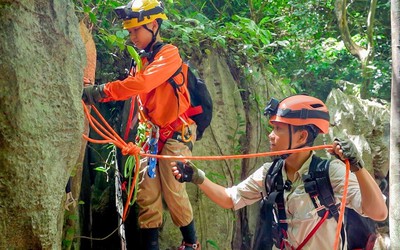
x: 299, y: 110
x: 140, y: 12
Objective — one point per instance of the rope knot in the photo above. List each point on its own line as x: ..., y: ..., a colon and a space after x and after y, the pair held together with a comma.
x: 130, y: 149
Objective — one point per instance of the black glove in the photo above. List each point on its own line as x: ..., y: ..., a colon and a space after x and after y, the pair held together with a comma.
x: 350, y: 152
x: 93, y: 94
x: 190, y: 173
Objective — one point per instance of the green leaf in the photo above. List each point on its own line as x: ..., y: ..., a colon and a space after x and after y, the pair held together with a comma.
x: 92, y: 17
x: 120, y: 34
x: 135, y: 56
x: 101, y: 169
x: 213, y: 244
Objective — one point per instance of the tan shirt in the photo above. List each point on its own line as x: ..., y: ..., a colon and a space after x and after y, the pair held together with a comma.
x: 300, y: 211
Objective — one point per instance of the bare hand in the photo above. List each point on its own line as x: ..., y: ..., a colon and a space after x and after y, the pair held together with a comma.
x: 187, y: 172
x: 175, y: 170
x: 336, y: 150
x: 87, y: 81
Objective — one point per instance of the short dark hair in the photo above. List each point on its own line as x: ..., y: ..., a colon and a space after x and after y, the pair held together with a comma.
x: 312, y: 131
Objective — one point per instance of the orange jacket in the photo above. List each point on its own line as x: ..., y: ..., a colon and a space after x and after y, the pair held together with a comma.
x: 157, y: 95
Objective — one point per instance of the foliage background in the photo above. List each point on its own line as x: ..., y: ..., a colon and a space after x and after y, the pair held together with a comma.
x: 298, y: 41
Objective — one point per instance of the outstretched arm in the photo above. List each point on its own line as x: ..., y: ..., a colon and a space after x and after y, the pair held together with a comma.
x: 187, y: 172
x: 216, y: 193
x: 372, y: 201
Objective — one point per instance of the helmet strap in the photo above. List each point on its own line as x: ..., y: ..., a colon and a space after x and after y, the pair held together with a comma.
x: 153, y: 34
x: 284, y: 156
x: 290, y: 136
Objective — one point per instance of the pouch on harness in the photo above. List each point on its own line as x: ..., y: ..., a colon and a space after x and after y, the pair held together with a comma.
x: 360, y: 231
x: 200, y: 110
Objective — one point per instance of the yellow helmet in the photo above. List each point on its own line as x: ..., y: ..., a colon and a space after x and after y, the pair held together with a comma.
x: 139, y: 12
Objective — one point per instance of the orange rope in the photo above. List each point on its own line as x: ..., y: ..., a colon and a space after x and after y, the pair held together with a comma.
x: 342, y: 205
x: 113, y: 137
x: 225, y: 157
x: 132, y: 149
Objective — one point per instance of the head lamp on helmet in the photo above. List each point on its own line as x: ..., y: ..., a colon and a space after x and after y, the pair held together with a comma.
x: 299, y: 110
x: 272, y: 107
x: 139, y: 12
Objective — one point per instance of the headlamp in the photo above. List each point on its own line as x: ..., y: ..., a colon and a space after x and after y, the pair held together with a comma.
x: 121, y: 12
x: 272, y: 107
x: 126, y: 12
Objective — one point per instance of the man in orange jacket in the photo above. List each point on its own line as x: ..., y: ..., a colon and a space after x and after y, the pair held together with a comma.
x: 165, y: 111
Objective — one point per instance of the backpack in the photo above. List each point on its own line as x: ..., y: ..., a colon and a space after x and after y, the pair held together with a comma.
x: 201, y: 106
x: 360, y: 231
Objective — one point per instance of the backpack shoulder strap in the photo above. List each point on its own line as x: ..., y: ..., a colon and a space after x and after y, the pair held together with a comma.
x: 152, y: 54
x: 272, y: 209
x: 318, y: 185
x: 150, y: 58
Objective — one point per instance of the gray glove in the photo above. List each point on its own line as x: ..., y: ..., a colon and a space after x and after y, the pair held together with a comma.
x: 350, y: 152
x: 190, y: 173
x: 93, y: 94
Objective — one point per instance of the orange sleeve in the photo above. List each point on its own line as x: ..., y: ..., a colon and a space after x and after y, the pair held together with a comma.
x: 165, y: 64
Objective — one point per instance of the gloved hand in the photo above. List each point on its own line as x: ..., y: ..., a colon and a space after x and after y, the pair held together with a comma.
x: 93, y: 94
x: 189, y: 173
x: 350, y: 152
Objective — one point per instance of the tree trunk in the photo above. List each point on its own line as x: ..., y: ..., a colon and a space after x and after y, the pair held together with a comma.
x: 365, y: 55
x: 394, y: 217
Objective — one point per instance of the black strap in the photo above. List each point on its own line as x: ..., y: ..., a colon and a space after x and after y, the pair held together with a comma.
x: 272, y: 210
x: 175, y: 85
x: 303, y: 114
x: 152, y: 54
x: 150, y: 58
x: 140, y: 15
x: 318, y: 185
x: 131, y: 67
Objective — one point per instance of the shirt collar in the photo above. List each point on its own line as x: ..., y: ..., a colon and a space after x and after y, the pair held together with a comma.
x: 303, y: 169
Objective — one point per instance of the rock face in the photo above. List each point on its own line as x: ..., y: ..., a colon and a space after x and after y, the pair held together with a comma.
x: 366, y: 123
x: 41, y: 118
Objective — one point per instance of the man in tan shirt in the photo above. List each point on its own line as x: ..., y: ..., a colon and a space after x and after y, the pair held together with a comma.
x: 296, y: 121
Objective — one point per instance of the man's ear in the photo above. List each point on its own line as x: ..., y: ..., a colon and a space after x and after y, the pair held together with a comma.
x: 303, y: 136
x: 154, y: 25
